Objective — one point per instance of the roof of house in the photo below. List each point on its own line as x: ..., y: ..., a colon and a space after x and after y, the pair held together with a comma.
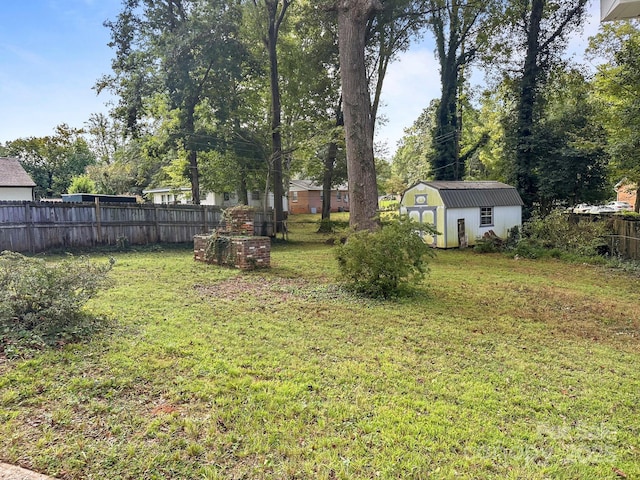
x: 476, y: 194
x: 310, y: 185
x: 13, y: 175
x: 166, y: 190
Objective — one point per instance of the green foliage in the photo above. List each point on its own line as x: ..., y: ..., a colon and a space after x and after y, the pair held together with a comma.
x: 42, y: 301
x: 381, y: 263
x: 557, y: 232
x: 617, y: 85
x: 630, y: 215
x: 411, y: 160
x: 571, y: 163
x: 82, y: 184
x: 219, y: 249
x: 52, y: 161
x: 389, y: 203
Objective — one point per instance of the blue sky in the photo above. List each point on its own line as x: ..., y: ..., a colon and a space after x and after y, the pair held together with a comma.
x: 51, y: 54
x: 53, y: 51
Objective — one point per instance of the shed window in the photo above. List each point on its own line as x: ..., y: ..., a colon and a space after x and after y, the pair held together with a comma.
x: 255, y: 195
x: 294, y: 196
x: 338, y: 195
x: 486, y: 216
x: 226, y: 196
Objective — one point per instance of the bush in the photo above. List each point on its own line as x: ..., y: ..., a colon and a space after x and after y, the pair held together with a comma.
x: 629, y: 215
x: 559, y: 236
x: 379, y: 264
x: 585, y: 237
x: 43, y: 300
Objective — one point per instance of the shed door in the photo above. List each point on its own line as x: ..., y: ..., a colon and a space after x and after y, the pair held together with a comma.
x: 462, y: 234
x: 424, y: 215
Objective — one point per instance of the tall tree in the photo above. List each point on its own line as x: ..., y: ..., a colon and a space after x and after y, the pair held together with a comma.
x: 535, y: 32
x: 275, y: 11
x: 570, y: 153
x: 411, y: 162
x: 460, y: 28
x: 186, y: 50
x: 353, y: 18
x: 617, y: 86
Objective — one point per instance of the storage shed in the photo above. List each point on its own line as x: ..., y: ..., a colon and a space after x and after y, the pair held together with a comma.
x: 462, y: 212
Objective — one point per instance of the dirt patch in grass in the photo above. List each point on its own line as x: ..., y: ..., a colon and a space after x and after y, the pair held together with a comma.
x: 272, y: 289
x: 261, y: 288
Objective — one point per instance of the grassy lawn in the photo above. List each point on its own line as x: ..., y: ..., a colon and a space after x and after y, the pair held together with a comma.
x: 494, y: 368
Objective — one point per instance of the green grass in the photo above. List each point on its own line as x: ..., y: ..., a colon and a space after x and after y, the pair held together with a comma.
x: 493, y: 368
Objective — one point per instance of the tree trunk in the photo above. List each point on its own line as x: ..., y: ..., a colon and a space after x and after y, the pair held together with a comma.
x: 446, y: 139
x: 329, y: 165
x: 525, y: 155
x: 244, y: 191
x: 363, y: 192
x: 327, y: 180
x: 276, y: 110
x: 194, y: 174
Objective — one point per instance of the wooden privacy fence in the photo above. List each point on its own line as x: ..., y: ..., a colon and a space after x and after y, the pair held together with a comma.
x: 625, y: 240
x: 40, y: 226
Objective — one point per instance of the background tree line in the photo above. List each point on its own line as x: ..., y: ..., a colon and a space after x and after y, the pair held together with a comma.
x: 239, y: 95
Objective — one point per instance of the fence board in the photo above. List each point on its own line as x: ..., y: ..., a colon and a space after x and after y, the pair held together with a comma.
x: 39, y: 226
x: 625, y: 241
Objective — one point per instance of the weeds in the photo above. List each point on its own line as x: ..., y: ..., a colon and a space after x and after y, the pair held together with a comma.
x: 41, y: 302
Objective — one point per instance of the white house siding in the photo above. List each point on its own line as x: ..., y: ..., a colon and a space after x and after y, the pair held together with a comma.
x: 12, y: 194
x: 619, y: 9
x: 504, y: 218
x: 166, y: 196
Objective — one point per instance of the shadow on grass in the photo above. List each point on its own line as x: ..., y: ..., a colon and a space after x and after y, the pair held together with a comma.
x: 18, y: 341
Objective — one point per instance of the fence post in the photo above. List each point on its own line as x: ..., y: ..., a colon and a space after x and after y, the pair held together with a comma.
x: 204, y: 219
x: 155, y: 222
x: 98, y: 221
x: 28, y: 217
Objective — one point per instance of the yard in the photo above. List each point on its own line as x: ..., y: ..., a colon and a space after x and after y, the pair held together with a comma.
x: 494, y: 368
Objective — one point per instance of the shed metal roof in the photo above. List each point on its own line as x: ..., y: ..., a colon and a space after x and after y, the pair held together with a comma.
x: 13, y: 175
x: 476, y: 194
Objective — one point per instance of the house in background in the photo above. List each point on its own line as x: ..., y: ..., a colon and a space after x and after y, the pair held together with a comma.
x: 15, y: 182
x: 462, y: 212
x: 305, y: 196
x: 182, y: 196
x: 626, y: 192
x: 619, y: 9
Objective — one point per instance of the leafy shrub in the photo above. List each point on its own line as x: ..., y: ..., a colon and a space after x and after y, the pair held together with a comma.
x: 220, y: 250
x: 381, y: 263
x: 43, y: 300
x: 630, y: 215
x: 389, y: 205
x: 557, y: 232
